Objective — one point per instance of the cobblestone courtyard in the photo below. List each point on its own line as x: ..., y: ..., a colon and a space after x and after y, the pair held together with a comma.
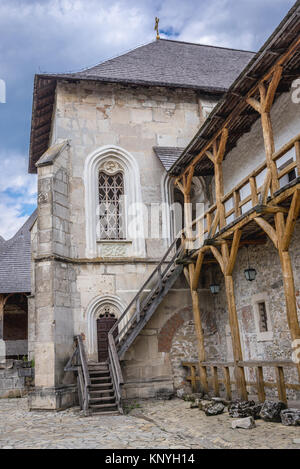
x: 151, y: 424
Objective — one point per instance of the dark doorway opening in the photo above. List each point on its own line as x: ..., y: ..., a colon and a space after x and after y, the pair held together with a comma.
x: 104, y: 324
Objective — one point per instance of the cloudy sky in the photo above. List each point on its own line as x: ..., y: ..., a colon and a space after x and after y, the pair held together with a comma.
x: 68, y: 35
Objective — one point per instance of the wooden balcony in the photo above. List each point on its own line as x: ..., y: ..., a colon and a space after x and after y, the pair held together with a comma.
x: 250, y: 199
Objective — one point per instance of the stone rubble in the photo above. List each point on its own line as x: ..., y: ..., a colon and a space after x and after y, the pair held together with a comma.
x: 243, y: 409
x: 246, y: 423
x: 214, y: 409
x: 290, y: 417
x: 271, y: 411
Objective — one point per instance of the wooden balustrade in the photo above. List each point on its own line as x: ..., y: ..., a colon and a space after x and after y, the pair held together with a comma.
x: 215, y: 380
x: 252, y: 191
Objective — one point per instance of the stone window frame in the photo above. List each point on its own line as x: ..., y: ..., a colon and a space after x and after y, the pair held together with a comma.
x: 256, y: 299
x: 110, y: 158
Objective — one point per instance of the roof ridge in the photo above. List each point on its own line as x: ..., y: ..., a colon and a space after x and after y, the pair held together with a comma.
x: 89, y: 67
x: 207, y: 45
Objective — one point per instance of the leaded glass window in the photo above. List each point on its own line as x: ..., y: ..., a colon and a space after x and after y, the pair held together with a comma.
x: 111, y: 192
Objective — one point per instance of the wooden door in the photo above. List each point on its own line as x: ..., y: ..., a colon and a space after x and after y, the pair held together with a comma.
x: 104, y: 325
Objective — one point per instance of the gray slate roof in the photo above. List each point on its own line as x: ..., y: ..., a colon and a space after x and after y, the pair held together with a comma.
x: 168, y: 155
x: 15, y: 260
x: 171, y: 63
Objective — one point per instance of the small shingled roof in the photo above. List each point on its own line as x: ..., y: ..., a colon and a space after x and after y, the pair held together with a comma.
x: 51, y: 154
x: 168, y: 155
x: 15, y: 260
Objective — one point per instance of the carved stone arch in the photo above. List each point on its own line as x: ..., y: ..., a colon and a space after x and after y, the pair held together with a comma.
x: 112, y: 159
x: 94, y: 310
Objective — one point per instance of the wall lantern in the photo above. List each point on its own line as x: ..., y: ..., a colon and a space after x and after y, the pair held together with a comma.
x: 250, y: 273
x: 214, y: 288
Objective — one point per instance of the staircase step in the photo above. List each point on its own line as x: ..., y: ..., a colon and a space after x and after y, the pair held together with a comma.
x: 102, y: 391
x: 102, y: 406
x: 101, y: 385
x: 107, y: 412
x: 102, y: 399
x: 100, y: 378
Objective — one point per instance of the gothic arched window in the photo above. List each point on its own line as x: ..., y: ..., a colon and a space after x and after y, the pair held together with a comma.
x: 111, y: 213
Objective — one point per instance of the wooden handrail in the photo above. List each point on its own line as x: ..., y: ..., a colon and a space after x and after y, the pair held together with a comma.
x: 143, y: 287
x: 78, y: 363
x: 83, y: 359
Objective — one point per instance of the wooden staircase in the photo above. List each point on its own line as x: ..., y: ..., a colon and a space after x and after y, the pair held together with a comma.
x: 102, y: 398
x: 99, y: 384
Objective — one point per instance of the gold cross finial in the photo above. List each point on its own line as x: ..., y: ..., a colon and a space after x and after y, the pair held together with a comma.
x: 156, y: 27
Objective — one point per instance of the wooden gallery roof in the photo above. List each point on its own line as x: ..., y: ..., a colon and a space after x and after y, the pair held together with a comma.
x: 232, y: 111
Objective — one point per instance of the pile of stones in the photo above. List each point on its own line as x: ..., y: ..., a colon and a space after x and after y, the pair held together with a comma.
x: 245, y: 413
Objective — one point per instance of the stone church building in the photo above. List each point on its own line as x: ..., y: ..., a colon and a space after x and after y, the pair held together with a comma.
x: 170, y: 134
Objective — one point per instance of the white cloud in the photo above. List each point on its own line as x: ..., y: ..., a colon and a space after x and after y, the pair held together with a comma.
x: 17, y: 193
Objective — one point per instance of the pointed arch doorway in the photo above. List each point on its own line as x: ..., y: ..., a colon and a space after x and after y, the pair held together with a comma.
x: 105, y: 322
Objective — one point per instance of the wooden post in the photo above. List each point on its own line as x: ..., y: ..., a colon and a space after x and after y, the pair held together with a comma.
x: 220, y: 193
x: 214, y: 371
x: 227, y: 382
x: 260, y: 384
x: 193, y: 379
x: 235, y: 336
x: 281, y: 384
x: 199, y: 331
x: 227, y: 263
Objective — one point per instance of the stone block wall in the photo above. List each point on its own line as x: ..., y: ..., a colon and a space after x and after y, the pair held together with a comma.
x: 268, y: 284
x: 93, y: 115
x: 15, y: 381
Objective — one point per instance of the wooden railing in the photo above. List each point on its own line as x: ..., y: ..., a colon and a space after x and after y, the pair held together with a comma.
x: 253, y: 190
x: 78, y: 363
x: 212, y: 383
x: 115, y: 371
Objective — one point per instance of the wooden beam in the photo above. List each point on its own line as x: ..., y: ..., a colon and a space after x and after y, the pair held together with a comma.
x: 222, y: 145
x: 197, y: 271
x: 268, y: 229
x: 265, y: 188
x: 210, y: 156
x: 233, y: 252
x: 270, y: 149
x: 291, y: 220
x: 254, y: 104
x: 253, y: 188
x: 272, y: 89
x: 272, y: 209
x: 218, y: 257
